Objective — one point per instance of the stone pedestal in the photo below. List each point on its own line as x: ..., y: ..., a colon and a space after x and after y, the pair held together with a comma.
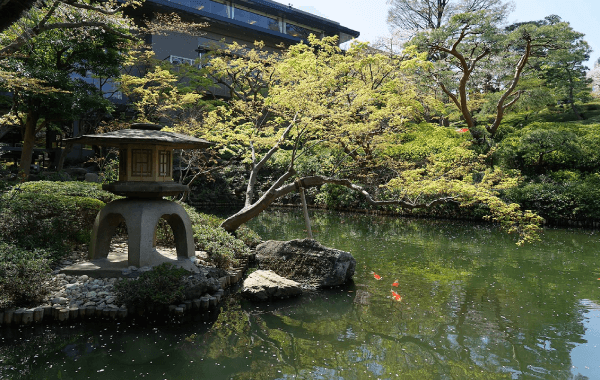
x: 141, y: 218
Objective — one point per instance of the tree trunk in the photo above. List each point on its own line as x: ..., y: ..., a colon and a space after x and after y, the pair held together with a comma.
x: 63, y: 154
x: 28, y: 144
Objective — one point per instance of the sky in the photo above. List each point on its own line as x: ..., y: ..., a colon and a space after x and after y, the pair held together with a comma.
x: 369, y: 16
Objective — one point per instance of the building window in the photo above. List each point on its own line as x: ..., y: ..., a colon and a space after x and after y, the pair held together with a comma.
x: 214, y: 7
x: 164, y: 163
x: 256, y: 19
x: 299, y: 31
x: 141, y: 162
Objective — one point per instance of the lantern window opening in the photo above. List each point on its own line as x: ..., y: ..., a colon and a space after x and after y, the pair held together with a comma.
x: 164, y: 163
x: 141, y: 162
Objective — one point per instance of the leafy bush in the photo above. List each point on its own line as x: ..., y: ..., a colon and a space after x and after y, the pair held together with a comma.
x: 573, y: 196
x: 50, y: 215
x: 161, y: 286
x: 23, y: 275
x: 541, y: 147
x: 223, y: 248
x: 248, y: 236
x: 424, y: 141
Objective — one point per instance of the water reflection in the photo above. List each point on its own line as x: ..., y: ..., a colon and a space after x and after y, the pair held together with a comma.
x: 473, y: 306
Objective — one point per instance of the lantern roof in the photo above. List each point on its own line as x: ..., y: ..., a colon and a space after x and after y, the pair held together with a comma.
x: 142, y: 133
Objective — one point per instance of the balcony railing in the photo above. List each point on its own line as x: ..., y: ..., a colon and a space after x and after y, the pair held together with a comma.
x: 177, y: 60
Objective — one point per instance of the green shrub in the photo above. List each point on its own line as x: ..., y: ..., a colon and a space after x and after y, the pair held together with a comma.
x: 23, y: 275
x: 248, y: 236
x: 50, y: 215
x: 223, y: 248
x: 161, y: 286
x: 424, y: 141
x: 548, y: 146
x: 573, y: 196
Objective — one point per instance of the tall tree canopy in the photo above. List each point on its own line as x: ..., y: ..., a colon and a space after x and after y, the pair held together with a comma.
x: 57, y: 46
x: 474, y: 55
x: 418, y: 15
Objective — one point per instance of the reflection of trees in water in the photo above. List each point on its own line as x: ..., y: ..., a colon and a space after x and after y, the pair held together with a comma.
x: 470, y: 296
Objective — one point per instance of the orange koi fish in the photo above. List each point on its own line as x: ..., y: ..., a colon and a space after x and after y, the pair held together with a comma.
x: 395, y: 283
x: 377, y: 277
x: 396, y: 296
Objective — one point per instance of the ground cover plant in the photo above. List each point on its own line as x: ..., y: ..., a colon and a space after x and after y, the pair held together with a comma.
x: 161, y: 286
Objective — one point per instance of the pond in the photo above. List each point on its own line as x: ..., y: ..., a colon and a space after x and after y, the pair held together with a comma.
x: 474, y: 306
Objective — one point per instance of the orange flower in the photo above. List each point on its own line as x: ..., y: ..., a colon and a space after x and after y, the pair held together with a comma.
x: 395, y: 283
x: 377, y: 277
x: 396, y: 296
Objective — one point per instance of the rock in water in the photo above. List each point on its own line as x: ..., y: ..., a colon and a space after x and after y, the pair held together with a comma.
x: 306, y: 261
x: 263, y: 285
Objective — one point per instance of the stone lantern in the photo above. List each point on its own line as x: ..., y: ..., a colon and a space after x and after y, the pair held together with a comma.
x: 145, y: 176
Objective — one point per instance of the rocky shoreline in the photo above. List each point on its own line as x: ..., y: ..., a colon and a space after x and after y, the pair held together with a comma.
x: 85, y: 297
x: 286, y: 269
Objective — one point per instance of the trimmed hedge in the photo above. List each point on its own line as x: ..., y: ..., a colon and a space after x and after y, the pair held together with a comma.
x: 50, y: 215
x: 562, y: 198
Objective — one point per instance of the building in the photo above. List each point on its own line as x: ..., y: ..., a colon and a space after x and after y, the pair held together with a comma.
x: 242, y: 21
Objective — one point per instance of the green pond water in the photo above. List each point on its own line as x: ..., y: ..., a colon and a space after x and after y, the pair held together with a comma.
x: 474, y: 306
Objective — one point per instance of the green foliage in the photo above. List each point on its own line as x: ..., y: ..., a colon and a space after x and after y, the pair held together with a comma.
x: 161, y: 286
x: 223, y: 248
x: 540, y: 147
x: 566, y: 195
x: 50, y: 215
x: 60, y: 59
x: 423, y: 141
x: 336, y: 196
x: 23, y: 275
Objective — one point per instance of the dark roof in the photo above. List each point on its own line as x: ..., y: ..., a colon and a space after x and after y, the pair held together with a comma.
x: 141, y: 136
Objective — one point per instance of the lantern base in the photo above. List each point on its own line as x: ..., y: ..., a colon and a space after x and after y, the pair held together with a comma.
x: 141, y: 218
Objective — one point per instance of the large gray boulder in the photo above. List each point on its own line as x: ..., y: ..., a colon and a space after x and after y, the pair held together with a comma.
x: 264, y: 285
x: 306, y: 261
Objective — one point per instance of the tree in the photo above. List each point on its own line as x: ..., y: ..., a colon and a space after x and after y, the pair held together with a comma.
x: 11, y: 11
x: 312, y: 96
x: 55, y: 56
x: 61, y: 15
x: 472, y: 46
x: 564, y: 71
x: 60, y: 59
x: 328, y: 118
x: 46, y: 56
x: 419, y: 15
